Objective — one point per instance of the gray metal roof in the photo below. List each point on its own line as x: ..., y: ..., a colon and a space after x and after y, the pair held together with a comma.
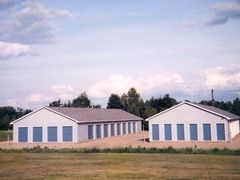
x: 95, y: 114
x: 218, y: 111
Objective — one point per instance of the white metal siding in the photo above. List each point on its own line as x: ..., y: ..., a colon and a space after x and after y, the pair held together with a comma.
x: 139, y: 126
x: 44, y: 118
x: 83, y: 129
x: 186, y: 114
x: 234, y: 128
x: 83, y: 132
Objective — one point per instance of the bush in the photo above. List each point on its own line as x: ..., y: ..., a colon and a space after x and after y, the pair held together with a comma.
x: 168, y: 150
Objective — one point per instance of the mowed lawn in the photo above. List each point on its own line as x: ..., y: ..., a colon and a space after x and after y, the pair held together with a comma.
x: 116, y: 166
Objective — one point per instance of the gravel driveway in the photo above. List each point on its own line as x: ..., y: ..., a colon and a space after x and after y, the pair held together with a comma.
x: 133, y: 140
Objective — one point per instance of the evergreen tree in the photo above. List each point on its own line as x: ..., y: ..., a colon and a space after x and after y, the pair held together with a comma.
x: 133, y: 102
x: 114, y: 102
x: 55, y: 103
x: 236, y: 106
x: 81, y: 101
x: 124, y: 101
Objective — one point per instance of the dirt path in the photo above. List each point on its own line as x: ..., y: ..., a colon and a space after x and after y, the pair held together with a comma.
x: 133, y: 140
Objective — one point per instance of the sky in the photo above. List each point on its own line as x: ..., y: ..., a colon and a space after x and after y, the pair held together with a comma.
x: 58, y: 49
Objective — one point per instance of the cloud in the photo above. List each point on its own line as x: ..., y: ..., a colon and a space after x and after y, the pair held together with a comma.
x: 30, y: 22
x: 228, y: 9
x: 223, y: 13
x: 63, y: 91
x: 62, y: 88
x: 223, y: 78
x: 35, y: 98
x: 6, y: 4
x: 216, y: 21
x: 117, y: 83
x: 8, y: 50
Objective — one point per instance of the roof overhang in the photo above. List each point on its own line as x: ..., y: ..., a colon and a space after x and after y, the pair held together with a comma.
x: 234, y: 119
x: 108, y: 121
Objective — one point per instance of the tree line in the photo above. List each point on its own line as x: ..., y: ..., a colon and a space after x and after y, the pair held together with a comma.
x: 9, y: 114
x: 130, y: 101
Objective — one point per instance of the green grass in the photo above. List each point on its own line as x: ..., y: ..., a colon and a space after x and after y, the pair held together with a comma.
x: 19, y: 165
x: 5, y: 135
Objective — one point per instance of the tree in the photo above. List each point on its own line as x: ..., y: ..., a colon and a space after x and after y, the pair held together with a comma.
x: 169, y: 102
x: 133, y: 96
x: 133, y: 102
x: 150, y: 111
x: 124, y: 101
x: 160, y: 104
x: 114, y: 102
x: 68, y: 104
x: 81, y: 101
x: 236, y: 106
x: 9, y: 114
x: 55, y: 103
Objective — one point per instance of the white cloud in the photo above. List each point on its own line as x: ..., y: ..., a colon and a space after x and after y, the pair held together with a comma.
x: 226, y: 80
x: 63, y: 91
x: 8, y: 50
x: 223, y: 78
x: 62, y: 88
x: 117, y: 83
x: 35, y: 98
x: 30, y: 22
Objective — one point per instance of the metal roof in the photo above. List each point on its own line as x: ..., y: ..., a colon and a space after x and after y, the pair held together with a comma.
x: 219, y: 111
x: 95, y: 114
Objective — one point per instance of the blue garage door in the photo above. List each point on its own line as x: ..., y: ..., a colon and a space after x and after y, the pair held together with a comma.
x: 52, y: 134
x: 98, y: 131
x: 67, y: 133
x: 37, y: 134
x: 193, y: 132
x: 220, y: 132
x: 90, y: 131
x: 155, y: 132
x: 168, y: 131
x: 22, y: 134
x: 134, y: 127
x: 124, y: 128
x: 112, y: 129
x: 129, y: 128
x: 105, y: 130
x: 118, y: 128
x: 206, y: 132
x: 180, y: 131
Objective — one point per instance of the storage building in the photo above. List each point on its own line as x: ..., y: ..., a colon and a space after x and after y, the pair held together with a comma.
x: 63, y: 124
x: 193, y: 122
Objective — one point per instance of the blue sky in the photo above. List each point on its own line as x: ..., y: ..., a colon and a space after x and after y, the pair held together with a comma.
x: 58, y: 49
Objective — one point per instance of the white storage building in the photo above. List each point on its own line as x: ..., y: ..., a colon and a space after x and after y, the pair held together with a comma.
x: 193, y: 122
x: 63, y: 124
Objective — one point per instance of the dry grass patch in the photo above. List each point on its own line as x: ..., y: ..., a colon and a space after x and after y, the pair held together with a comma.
x: 116, y: 166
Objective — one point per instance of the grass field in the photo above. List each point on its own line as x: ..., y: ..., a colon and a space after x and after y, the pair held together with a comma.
x: 116, y: 166
x: 5, y: 135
